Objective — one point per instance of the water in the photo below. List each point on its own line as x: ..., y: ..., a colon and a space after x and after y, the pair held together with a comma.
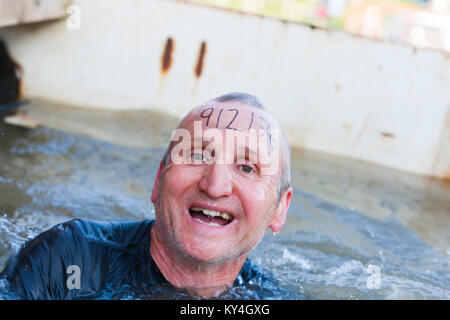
x: 354, y: 231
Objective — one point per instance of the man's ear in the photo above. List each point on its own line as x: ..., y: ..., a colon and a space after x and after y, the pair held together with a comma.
x: 156, y: 183
x: 280, y: 215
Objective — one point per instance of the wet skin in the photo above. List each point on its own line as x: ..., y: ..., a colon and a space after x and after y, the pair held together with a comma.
x: 192, y: 253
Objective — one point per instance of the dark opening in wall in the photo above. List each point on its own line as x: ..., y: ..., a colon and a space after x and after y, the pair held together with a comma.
x: 9, y: 80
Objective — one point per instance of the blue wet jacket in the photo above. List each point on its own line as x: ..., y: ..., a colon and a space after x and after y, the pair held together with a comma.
x: 107, y: 256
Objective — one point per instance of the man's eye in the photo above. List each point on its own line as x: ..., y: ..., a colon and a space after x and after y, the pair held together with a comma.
x: 246, y: 169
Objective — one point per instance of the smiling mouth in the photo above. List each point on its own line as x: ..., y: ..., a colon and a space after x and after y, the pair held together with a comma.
x: 210, y: 217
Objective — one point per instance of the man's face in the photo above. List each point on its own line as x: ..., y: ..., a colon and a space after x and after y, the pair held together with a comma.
x: 218, y: 211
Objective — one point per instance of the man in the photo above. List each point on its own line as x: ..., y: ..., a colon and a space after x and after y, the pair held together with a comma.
x: 213, y: 199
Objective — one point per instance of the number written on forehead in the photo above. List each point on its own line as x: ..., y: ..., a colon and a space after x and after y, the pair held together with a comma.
x: 210, y: 113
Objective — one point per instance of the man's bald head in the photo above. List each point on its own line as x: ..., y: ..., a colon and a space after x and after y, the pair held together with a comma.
x: 248, y: 100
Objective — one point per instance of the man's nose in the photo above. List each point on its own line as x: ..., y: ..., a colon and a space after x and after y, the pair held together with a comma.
x: 216, y: 181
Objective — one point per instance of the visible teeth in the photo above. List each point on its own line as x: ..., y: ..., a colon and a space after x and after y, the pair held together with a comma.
x: 213, y: 213
x: 209, y: 223
x: 226, y: 216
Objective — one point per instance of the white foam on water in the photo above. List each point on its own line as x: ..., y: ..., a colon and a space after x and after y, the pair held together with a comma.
x: 303, y: 263
x: 13, y: 234
x: 401, y: 288
x: 348, y: 267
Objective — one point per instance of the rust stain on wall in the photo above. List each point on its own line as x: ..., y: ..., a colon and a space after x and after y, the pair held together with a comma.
x: 387, y: 135
x: 166, y: 59
x: 347, y: 127
x: 20, y: 75
x: 200, y: 60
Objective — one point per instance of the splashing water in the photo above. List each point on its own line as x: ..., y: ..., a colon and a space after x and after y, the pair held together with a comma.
x: 327, y: 250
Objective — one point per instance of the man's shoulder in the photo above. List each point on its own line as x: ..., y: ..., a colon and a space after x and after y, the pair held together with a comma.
x: 111, y: 233
x: 78, y: 235
x: 39, y: 269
